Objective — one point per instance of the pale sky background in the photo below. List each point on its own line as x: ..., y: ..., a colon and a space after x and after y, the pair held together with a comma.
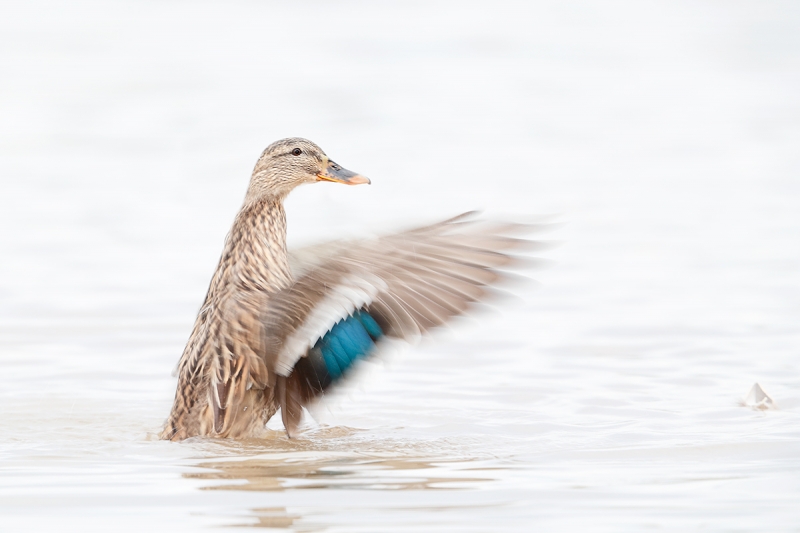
x: 663, y: 135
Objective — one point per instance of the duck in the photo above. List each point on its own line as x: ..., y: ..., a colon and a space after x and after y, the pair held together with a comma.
x: 277, y: 329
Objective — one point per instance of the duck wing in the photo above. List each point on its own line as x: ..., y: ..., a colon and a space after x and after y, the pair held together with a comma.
x: 348, y: 296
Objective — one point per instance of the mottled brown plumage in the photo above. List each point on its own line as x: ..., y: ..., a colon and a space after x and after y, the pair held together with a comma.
x: 261, y: 316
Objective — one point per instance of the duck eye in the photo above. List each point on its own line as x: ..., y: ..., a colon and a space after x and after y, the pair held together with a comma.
x: 297, y: 151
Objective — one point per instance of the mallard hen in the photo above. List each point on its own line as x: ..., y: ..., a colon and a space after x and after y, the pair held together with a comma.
x: 276, y: 331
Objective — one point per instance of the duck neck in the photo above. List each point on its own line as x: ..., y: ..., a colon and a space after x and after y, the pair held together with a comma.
x: 256, y: 246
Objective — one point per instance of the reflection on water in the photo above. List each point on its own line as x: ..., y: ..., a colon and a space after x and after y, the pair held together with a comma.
x: 284, y: 471
x: 326, y: 460
x: 275, y: 518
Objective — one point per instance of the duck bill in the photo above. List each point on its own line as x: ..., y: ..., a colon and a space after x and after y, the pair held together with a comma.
x: 337, y: 174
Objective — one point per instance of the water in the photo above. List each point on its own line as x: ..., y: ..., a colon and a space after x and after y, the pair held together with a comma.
x: 607, y: 397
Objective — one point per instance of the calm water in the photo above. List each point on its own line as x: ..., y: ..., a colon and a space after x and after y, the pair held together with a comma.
x: 607, y: 397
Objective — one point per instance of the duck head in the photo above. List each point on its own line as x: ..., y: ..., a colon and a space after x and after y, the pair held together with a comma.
x: 287, y: 163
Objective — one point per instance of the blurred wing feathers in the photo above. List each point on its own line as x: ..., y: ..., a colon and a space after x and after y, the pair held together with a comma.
x: 408, y: 282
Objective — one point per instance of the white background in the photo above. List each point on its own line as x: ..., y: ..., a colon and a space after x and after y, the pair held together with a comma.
x: 664, y: 135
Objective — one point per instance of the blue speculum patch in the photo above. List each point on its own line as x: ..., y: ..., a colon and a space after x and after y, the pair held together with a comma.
x: 348, y: 341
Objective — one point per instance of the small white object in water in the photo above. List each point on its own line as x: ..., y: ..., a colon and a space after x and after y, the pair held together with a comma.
x: 758, y: 399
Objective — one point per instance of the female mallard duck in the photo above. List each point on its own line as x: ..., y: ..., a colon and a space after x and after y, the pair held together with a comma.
x: 270, y: 336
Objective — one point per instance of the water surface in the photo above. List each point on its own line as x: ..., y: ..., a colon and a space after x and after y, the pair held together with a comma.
x: 606, y: 397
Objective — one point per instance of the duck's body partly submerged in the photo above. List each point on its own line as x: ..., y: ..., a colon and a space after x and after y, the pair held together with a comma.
x: 270, y: 336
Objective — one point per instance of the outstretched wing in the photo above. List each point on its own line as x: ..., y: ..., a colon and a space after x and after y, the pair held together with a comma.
x: 349, y: 295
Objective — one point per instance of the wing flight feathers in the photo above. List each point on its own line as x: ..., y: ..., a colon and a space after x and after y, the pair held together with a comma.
x: 409, y: 282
